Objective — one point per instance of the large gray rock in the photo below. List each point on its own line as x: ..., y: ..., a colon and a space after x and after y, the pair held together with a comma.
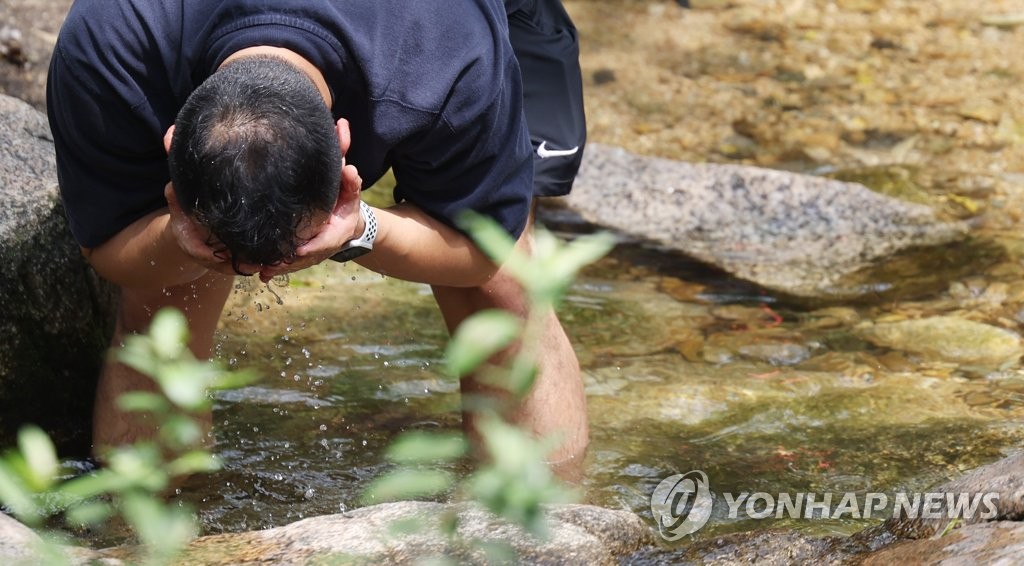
x: 987, y: 543
x: 57, y: 315
x: 18, y: 543
x: 1005, y: 478
x: 579, y: 534
x: 793, y: 233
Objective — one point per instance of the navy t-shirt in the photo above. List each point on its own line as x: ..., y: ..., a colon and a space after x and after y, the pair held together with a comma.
x: 431, y: 89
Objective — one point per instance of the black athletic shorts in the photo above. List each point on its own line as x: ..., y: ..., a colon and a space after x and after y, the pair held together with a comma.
x: 545, y: 43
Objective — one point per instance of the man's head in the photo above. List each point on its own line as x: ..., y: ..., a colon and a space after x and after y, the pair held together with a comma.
x: 254, y: 156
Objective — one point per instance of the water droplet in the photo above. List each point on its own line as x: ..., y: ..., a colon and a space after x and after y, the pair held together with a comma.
x: 387, y: 363
x: 152, y: 262
x: 296, y: 377
x: 323, y: 427
x: 306, y: 353
x: 309, y: 493
x: 255, y: 429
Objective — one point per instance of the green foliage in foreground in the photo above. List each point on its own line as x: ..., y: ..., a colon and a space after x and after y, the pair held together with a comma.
x: 515, y: 482
x: 135, y: 476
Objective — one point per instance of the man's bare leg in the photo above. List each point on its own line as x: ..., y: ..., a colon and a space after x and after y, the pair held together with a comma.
x: 556, y: 405
x: 201, y: 301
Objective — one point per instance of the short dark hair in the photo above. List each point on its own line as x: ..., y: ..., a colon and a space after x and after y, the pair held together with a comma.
x: 254, y: 154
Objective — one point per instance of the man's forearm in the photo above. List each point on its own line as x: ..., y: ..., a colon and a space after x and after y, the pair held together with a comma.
x: 144, y: 255
x: 413, y: 246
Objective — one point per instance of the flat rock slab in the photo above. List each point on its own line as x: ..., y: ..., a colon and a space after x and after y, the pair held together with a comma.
x: 1001, y: 542
x: 579, y: 534
x: 797, y: 234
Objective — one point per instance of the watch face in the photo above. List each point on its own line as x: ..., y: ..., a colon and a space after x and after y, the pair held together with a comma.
x: 349, y: 254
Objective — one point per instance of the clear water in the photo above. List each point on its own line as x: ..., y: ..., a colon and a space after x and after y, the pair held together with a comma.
x: 351, y: 359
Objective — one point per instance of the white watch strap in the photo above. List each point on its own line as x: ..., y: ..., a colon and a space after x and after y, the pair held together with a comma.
x: 365, y: 240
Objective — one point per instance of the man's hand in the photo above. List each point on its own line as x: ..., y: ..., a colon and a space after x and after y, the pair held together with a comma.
x: 342, y: 225
x: 191, y: 238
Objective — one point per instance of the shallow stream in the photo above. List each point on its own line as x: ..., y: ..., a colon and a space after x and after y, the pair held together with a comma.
x: 686, y: 369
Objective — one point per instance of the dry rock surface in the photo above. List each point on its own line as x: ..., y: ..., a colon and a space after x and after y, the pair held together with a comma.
x: 793, y: 233
x: 579, y: 534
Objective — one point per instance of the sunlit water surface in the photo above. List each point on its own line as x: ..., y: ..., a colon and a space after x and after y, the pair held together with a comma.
x: 685, y: 368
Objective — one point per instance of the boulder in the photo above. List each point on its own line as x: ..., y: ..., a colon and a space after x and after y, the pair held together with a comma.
x: 797, y: 234
x: 57, y: 314
x: 18, y: 543
x: 987, y: 543
x: 579, y: 534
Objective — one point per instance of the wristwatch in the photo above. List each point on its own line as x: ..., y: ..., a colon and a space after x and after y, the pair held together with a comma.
x: 364, y: 243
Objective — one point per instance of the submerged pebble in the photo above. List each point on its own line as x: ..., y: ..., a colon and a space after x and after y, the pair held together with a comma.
x: 947, y: 338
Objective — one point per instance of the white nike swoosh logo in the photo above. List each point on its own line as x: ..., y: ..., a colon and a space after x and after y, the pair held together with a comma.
x: 543, y: 152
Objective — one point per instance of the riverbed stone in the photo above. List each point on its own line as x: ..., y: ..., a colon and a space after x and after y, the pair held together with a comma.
x: 947, y: 338
x: 57, y: 313
x: 579, y: 534
x: 18, y: 543
x: 797, y: 234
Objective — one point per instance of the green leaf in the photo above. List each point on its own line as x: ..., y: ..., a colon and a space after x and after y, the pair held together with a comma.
x: 164, y: 530
x: 92, y: 485
x: 180, y: 431
x: 407, y: 484
x: 497, y: 552
x: 422, y: 447
x: 521, y: 378
x: 407, y: 526
x: 579, y: 253
x: 142, y: 402
x: 479, y: 337
x: 185, y: 384
x: 89, y: 514
x: 193, y: 462
x: 138, y: 465
x: 235, y: 379
x: 15, y: 495
x: 138, y: 354
x: 490, y: 236
x: 169, y: 332
x: 40, y: 456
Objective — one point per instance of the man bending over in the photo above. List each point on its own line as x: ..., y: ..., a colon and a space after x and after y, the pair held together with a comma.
x: 197, y: 140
